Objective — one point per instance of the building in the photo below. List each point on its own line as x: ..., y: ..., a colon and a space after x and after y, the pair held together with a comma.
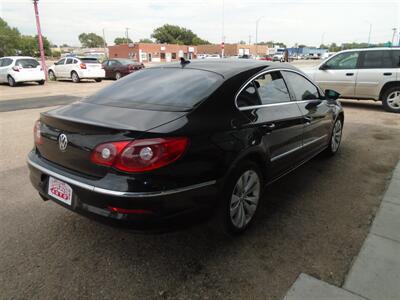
x: 144, y: 52
x: 236, y: 49
x: 307, y: 51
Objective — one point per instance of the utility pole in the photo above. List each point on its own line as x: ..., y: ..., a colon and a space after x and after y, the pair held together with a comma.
x: 104, y: 44
x: 394, y: 34
x: 258, y: 20
x: 322, y: 38
x: 127, y: 35
x: 39, y: 33
x: 369, y: 34
x: 249, y: 39
x: 223, y: 30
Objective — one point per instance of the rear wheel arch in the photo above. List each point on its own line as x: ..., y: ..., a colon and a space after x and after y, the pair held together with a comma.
x: 387, y: 86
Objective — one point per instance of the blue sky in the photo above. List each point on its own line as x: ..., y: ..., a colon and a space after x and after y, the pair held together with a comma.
x: 291, y: 21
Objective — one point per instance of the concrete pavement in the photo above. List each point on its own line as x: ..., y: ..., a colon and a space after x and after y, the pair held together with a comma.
x: 375, y: 273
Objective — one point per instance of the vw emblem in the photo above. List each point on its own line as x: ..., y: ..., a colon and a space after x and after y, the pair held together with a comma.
x: 62, y: 142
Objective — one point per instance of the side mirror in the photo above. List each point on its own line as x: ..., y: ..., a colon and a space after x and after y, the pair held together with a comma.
x: 323, y: 67
x: 331, y: 95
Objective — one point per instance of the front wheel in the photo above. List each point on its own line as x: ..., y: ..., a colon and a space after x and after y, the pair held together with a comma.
x: 391, y: 99
x: 336, y: 138
x: 241, y: 197
x: 75, y: 77
x: 97, y: 80
x: 11, y: 81
x: 41, y: 82
x: 118, y: 76
x: 52, y: 76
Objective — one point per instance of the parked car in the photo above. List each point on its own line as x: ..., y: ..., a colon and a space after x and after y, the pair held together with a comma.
x: 178, y: 140
x: 16, y: 69
x: 212, y: 56
x: 266, y: 57
x: 363, y: 74
x: 77, y: 68
x: 117, y: 68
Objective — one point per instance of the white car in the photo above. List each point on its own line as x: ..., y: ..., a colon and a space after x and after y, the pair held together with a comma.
x: 363, y: 74
x: 15, y: 69
x: 77, y: 68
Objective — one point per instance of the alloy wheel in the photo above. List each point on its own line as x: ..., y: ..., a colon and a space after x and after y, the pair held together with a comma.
x: 245, y: 198
x: 118, y: 76
x: 393, y: 100
x: 336, y: 136
x: 52, y: 77
x: 75, y: 77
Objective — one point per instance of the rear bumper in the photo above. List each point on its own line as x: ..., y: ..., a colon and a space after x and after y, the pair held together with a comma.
x: 92, y: 73
x: 33, y: 76
x: 158, y: 210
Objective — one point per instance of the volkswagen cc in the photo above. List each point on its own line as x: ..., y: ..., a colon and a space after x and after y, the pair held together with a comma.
x: 182, y: 139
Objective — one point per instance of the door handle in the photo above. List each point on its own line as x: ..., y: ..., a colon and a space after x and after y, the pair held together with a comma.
x: 308, y: 119
x: 387, y: 74
x: 349, y: 74
x: 269, y: 126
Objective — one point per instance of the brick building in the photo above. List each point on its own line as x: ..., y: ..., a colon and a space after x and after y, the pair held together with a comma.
x: 144, y: 52
x: 235, y: 49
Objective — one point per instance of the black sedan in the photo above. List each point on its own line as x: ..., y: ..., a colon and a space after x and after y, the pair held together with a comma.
x: 182, y: 140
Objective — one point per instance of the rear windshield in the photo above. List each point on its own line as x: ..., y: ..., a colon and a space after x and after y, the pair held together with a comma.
x: 170, y: 89
x: 26, y: 63
x: 89, y: 60
x: 127, y: 62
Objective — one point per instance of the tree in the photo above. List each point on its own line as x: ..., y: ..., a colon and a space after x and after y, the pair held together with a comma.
x: 29, y: 45
x: 147, y: 41
x: 9, y: 39
x: 322, y: 46
x: 122, y: 40
x: 241, y: 42
x: 91, y: 40
x: 334, y: 48
x: 173, y: 34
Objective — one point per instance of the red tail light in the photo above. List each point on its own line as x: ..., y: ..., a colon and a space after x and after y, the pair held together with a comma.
x: 82, y: 66
x: 130, y: 211
x: 140, y: 155
x: 16, y: 69
x: 37, y: 133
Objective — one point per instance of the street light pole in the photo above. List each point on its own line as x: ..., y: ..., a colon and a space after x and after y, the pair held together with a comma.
x: 369, y: 34
x: 394, y: 34
x: 39, y: 33
x: 127, y: 35
x: 258, y: 20
x: 223, y: 30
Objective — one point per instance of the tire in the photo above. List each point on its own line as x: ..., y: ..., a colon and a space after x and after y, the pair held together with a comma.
x: 75, y: 77
x: 118, y: 76
x: 41, y: 82
x: 336, y: 138
x: 239, y: 206
x: 391, y: 99
x: 52, y: 76
x: 11, y: 81
x: 97, y: 80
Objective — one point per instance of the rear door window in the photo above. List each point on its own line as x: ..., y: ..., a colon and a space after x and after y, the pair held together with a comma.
x: 69, y: 61
x: 396, y: 58
x: 170, y: 89
x: 26, y: 63
x: 376, y: 59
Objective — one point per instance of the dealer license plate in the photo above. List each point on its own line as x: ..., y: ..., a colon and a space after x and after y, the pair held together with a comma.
x: 60, y: 190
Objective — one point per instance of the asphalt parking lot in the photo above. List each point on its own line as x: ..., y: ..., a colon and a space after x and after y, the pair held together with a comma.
x: 316, y: 227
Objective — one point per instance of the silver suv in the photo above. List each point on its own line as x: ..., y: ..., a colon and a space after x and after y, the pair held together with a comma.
x: 363, y: 74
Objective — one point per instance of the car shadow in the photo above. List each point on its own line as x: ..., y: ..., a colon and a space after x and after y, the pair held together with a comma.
x: 362, y: 104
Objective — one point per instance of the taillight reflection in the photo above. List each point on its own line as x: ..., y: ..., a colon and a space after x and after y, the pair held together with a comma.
x: 37, y: 133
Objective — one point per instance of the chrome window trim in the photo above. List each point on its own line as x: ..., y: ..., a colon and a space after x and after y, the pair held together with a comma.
x: 118, y: 193
x: 273, y: 104
x: 298, y: 148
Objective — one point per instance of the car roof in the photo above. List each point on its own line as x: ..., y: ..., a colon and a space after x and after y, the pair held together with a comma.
x: 228, y: 67
x: 371, y: 49
x: 19, y: 57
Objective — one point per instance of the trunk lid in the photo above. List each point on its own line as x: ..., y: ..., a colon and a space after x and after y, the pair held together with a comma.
x: 87, y: 125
